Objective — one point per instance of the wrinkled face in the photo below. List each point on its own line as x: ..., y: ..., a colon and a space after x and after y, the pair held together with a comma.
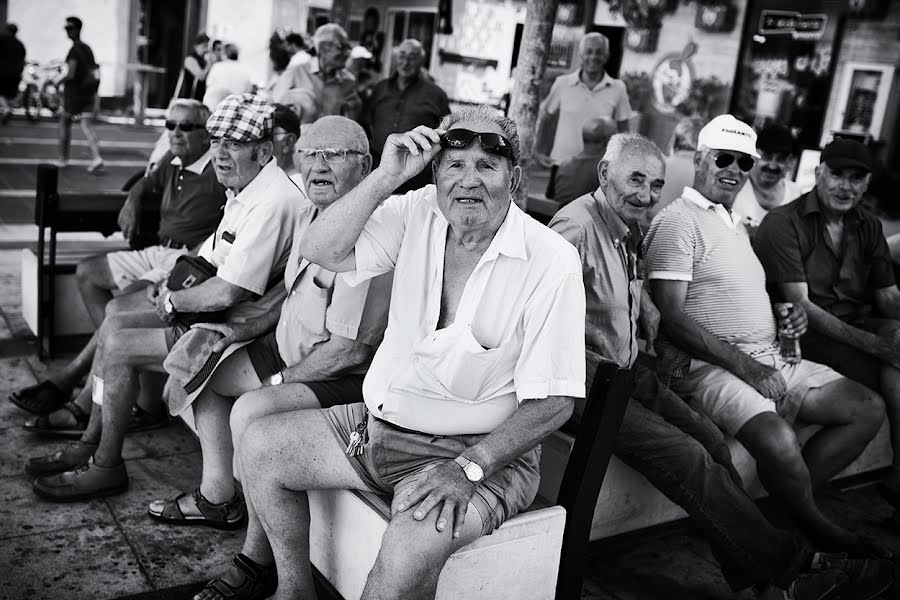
x: 409, y: 60
x: 718, y: 184
x: 632, y: 184
x: 332, y: 54
x: 474, y: 187
x: 770, y: 168
x: 283, y: 144
x: 327, y: 175
x: 188, y: 146
x: 237, y: 163
x: 841, y: 189
x: 593, y: 56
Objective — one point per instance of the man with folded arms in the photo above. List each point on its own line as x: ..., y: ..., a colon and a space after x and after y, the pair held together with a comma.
x: 827, y: 253
x: 481, y: 359
x: 190, y: 208
x: 678, y: 450
x: 251, y: 244
x: 326, y: 334
x: 720, y: 348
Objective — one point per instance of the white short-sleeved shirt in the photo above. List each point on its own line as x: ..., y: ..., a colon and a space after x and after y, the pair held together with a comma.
x: 518, y: 332
x: 746, y: 204
x: 225, y: 78
x: 253, y: 239
x: 319, y: 304
x: 575, y: 103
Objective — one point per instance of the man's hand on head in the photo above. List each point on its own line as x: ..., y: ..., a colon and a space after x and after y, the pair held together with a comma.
x: 447, y: 484
x: 407, y: 154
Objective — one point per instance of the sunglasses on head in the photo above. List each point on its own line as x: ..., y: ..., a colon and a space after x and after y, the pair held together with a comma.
x: 744, y: 163
x: 185, y: 127
x: 493, y: 143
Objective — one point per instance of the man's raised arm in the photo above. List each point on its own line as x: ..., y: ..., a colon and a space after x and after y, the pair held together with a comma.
x: 330, y: 239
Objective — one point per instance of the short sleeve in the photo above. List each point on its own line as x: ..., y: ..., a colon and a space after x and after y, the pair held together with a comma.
x: 622, y: 111
x: 550, y: 105
x: 379, y: 242
x: 778, y: 249
x: 572, y: 232
x: 881, y: 274
x: 360, y: 312
x: 669, y: 247
x: 206, y: 248
x: 552, y: 361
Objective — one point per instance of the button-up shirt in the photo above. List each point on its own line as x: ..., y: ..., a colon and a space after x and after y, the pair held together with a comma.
x: 608, y: 251
x: 392, y: 110
x: 574, y: 103
x: 320, y: 305
x: 746, y: 204
x: 253, y: 240
x: 520, y: 320
x: 794, y: 246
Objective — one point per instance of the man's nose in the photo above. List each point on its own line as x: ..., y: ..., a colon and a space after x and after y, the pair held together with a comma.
x: 470, y: 177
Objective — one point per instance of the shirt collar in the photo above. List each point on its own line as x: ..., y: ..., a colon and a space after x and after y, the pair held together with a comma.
x: 614, y: 223
x: 604, y: 81
x: 250, y: 195
x: 198, y: 166
x: 812, y: 205
x: 692, y: 195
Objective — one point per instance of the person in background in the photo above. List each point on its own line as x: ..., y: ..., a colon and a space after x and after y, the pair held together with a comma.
x: 403, y: 101
x: 768, y: 185
x: 81, y: 81
x: 296, y: 45
x: 217, y: 50
x: 12, y: 62
x: 226, y: 77
x: 284, y: 138
x: 577, y: 176
x: 196, y: 67
x: 578, y: 96
x: 679, y: 163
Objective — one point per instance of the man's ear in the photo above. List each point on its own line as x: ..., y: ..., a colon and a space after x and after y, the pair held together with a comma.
x: 603, y: 173
x: 365, y: 164
x: 266, y: 152
x: 515, y: 179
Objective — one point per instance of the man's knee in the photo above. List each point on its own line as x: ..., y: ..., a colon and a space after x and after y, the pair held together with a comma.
x: 869, y: 406
x: 248, y: 408
x: 255, y: 450
x: 767, y: 435
x: 414, y: 550
x: 94, y: 271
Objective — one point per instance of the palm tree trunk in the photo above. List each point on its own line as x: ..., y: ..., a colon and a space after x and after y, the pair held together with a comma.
x: 526, y: 99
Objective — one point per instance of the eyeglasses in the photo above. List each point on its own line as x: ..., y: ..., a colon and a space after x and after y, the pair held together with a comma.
x: 745, y: 163
x: 185, y: 127
x: 331, y: 155
x: 493, y: 143
x: 230, y: 145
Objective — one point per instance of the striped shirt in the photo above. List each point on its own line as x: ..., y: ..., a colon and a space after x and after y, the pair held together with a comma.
x: 701, y: 242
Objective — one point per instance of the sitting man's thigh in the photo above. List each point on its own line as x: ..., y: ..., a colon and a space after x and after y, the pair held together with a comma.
x: 136, y: 301
x: 126, y: 267
x: 96, y: 270
x: 838, y: 401
x: 235, y: 375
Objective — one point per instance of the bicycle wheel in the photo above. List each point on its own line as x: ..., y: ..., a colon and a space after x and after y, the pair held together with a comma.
x: 50, y: 97
x: 31, y: 102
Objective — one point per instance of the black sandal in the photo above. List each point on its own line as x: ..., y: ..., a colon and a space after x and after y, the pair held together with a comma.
x: 141, y: 420
x: 227, y: 515
x: 40, y: 399
x: 259, y: 581
x: 41, y: 425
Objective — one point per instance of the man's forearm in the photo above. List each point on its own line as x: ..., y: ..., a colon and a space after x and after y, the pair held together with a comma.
x: 526, y: 428
x: 211, y: 295
x: 333, y: 234
x: 824, y: 323
x: 328, y: 361
x: 693, y: 338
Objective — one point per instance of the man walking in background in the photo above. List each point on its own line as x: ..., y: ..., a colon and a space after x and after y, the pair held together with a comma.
x: 82, y: 80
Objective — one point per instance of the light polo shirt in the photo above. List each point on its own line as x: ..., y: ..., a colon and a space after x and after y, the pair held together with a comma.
x: 574, y: 102
x: 335, y: 95
x: 746, y: 204
x: 522, y: 310
x: 320, y: 305
x: 225, y: 78
x: 253, y: 239
x: 701, y: 242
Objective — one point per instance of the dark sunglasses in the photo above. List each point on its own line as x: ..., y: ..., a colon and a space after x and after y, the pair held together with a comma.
x: 185, y: 127
x: 745, y: 163
x: 493, y: 143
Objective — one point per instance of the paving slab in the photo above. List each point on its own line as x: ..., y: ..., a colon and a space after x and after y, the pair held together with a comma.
x: 154, y: 479
x: 93, y: 562
x: 22, y: 513
x: 15, y: 373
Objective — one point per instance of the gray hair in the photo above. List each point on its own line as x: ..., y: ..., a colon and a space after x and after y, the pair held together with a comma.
x: 329, y: 32
x: 631, y: 144
x: 200, y: 110
x: 487, y: 114
x: 592, y: 36
x: 415, y: 44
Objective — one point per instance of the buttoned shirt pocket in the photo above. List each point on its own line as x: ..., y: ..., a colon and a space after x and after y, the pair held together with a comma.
x: 314, y: 305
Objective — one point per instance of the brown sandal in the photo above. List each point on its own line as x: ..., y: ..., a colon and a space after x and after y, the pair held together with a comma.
x: 259, y: 581
x: 227, y: 515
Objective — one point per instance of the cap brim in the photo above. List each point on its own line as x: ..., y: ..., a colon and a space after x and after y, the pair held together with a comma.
x: 734, y: 148
x: 847, y: 163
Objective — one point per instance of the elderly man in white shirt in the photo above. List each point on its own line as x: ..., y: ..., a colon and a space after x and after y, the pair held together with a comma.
x: 482, y: 358
x: 225, y: 78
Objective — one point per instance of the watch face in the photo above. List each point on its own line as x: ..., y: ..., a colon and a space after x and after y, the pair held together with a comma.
x: 474, y: 472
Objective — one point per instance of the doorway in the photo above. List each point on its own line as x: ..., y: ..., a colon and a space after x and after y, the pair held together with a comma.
x: 165, y: 32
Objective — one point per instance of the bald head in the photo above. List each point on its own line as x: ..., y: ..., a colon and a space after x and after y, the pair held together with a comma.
x: 334, y: 131
x: 333, y: 157
x: 596, y: 133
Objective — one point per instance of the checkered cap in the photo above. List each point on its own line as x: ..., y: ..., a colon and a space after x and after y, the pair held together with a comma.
x: 242, y: 118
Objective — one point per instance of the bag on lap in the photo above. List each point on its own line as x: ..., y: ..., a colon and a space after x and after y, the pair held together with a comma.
x: 188, y: 272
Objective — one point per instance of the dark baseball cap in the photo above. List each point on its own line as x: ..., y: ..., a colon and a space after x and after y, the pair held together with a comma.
x: 843, y: 153
x: 775, y: 139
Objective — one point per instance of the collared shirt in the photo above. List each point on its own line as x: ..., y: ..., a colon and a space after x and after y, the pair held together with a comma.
x: 794, y: 246
x: 192, y: 198
x: 702, y: 243
x: 225, y: 78
x: 518, y: 332
x: 576, y: 176
x: 392, y: 110
x: 746, y: 204
x: 302, y: 83
x: 608, y: 251
x: 252, y: 243
x: 575, y: 103
x: 319, y: 304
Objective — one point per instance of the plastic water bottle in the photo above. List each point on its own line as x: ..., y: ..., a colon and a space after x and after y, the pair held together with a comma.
x: 789, y: 344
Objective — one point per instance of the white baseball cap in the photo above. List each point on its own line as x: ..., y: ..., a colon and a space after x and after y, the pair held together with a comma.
x: 727, y: 133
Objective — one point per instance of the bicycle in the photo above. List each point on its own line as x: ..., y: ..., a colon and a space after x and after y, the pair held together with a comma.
x: 38, y: 89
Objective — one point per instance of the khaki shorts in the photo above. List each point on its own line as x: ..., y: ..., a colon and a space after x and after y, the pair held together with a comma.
x: 149, y: 264
x: 730, y: 402
x: 394, y: 459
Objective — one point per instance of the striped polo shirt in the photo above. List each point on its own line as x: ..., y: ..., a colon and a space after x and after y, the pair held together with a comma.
x: 701, y: 242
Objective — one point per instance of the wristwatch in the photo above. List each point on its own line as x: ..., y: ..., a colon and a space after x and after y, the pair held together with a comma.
x: 473, y: 470
x: 277, y: 378
x: 167, y: 304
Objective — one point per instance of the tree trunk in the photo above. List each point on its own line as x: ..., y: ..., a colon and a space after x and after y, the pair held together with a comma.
x: 526, y: 98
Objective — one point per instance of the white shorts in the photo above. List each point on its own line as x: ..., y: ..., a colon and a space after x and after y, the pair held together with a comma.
x: 730, y: 401
x: 149, y: 264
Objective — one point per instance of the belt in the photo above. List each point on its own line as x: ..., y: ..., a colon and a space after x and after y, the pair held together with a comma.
x: 168, y: 243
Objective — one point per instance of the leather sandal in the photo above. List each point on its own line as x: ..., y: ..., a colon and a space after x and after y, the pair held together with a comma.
x: 40, y: 399
x: 227, y: 515
x: 41, y: 425
x: 258, y: 581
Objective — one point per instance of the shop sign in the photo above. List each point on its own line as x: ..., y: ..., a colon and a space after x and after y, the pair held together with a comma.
x: 800, y: 26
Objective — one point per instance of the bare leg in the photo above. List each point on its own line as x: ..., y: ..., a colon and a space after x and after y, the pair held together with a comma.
x: 65, y: 136
x: 87, y: 127
x: 96, y: 284
x: 890, y: 390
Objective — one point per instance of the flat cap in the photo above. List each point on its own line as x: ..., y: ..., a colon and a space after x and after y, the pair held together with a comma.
x: 242, y: 117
